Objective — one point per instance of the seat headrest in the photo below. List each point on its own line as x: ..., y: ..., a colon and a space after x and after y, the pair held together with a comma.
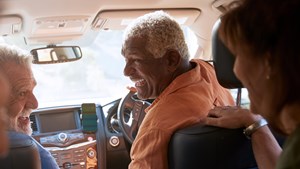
x: 223, y: 61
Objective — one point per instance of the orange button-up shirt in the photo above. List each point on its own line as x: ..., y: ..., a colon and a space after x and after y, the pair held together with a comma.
x: 183, y: 103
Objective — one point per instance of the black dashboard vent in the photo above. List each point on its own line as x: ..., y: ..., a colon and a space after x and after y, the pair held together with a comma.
x: 33, y: 122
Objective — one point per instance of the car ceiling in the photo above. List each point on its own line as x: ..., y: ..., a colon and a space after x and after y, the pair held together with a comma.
x: 29, y: 23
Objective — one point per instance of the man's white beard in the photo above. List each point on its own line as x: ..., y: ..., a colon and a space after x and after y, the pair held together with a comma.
x: 18, y: 127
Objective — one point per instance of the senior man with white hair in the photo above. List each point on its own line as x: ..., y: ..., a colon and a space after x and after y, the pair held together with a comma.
x: 16, y: 65
x: 157, y: 61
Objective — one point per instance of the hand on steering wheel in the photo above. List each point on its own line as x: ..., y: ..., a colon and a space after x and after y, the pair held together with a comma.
x: 131, y: 106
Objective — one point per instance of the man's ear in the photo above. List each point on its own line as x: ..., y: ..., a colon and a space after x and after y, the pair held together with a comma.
x: 173, y: 59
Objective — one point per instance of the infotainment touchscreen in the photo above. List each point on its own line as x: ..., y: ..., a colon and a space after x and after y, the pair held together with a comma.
x: 51, y: 122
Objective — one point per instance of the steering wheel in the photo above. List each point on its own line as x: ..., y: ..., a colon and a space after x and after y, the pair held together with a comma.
x: 131, y: 112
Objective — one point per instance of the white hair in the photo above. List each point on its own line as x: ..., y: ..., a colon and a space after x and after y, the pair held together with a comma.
x: 9, y: 53
x: 161, y: 31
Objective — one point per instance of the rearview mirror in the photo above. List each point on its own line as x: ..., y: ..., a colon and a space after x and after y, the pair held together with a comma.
x: 56, y: 54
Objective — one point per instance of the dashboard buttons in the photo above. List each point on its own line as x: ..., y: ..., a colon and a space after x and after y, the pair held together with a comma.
x: 91, y: 153
x: 65, y: 156
x: 114, y: 141
x: 67, y: 165
x: 62, y: 137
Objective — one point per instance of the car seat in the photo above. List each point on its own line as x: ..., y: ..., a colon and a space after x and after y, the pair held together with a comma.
x: 23, y: 153
x: 209, y: 147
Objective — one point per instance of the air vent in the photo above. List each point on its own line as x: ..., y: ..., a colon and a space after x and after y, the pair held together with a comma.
x: 80, y: 116
x: 33, y: 123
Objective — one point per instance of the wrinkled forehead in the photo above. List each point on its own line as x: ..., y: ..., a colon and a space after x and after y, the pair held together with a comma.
x: 4, y: 87
x: 3, y: 79
x: 19, y: 72
x: 134, y: 44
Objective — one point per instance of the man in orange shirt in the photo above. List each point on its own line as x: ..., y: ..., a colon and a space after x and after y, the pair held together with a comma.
x: 157, y: 61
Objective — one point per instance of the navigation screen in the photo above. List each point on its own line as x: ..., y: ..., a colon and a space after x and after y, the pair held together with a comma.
x: 52, y: 122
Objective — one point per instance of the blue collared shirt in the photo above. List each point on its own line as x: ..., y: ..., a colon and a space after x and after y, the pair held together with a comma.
x: 47, y: 160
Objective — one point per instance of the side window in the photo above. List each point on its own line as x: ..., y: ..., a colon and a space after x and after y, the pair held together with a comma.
x: 245, y: 102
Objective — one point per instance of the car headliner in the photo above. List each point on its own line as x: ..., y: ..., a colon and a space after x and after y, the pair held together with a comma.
x: 34, y: 13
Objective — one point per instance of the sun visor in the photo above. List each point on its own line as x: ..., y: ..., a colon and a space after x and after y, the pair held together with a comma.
x: 119, y: 19
x: 9, y: 25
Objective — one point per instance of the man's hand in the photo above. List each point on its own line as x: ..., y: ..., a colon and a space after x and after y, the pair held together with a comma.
x: 132, y: 89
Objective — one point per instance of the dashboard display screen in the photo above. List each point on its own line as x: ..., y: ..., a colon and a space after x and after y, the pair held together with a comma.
x: 52, y: 122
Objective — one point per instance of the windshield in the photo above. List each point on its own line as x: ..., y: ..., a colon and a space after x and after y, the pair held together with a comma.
x: 97, y: 77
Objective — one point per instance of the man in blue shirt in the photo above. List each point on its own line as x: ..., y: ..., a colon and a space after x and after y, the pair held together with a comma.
x: 16, y: 64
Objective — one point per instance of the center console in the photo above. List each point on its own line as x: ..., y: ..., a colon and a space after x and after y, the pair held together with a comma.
x: 76, y: 150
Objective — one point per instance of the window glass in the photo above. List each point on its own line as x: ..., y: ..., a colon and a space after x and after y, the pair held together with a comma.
x: 245, y: 102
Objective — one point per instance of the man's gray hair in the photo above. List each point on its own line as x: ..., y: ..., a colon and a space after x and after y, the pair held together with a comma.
x: 15, y: 55
x: 161, y: 31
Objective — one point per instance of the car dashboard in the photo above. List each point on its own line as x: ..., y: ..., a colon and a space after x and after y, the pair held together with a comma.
x: 65, y: 132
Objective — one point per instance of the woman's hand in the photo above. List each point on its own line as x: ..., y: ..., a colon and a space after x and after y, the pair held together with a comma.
x: 230, y: 117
